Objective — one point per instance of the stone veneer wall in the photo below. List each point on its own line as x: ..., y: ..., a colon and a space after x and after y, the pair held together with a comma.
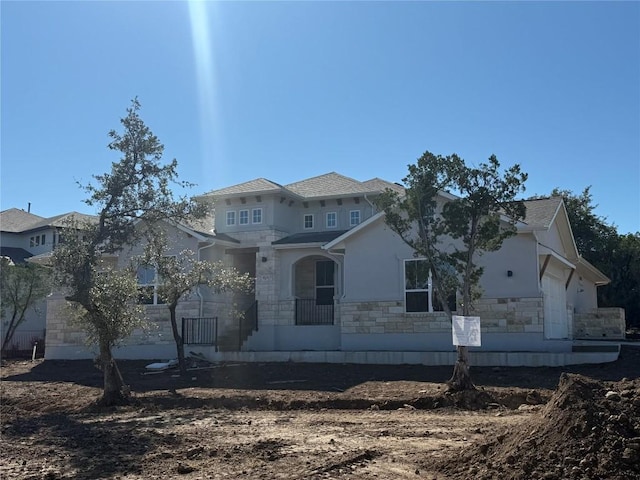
x: 62, y: 333
x: 503, y: 315
x: 599, y: 323
x: 267, y: 290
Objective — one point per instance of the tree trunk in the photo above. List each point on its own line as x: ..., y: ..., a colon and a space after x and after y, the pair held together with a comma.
x: 114, y: 389
x: 182, y: 363
x: 461, y: 378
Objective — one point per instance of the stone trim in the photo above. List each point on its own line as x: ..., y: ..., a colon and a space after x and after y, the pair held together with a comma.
x: 500, y: 315
x: 600, y: 323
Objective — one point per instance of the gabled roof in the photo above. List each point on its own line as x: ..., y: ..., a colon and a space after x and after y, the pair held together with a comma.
x: 252, y: 187
x: 203, y: 226
x: 328, y: 185
x: 542, y: 212
x: 60, y: 221
x: 15, y: 220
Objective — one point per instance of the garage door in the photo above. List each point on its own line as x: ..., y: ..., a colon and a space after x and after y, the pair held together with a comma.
x: 555, y: 307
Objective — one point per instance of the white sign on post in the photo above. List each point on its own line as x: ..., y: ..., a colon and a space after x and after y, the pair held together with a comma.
x: 465, y: 330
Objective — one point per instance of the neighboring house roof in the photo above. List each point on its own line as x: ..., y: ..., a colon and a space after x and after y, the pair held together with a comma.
x: 17, y: 255
x: 15, y: 220
x: 60, y: 221
x: 309, y: 237
x: 253, y: 187
x: 541, y: 212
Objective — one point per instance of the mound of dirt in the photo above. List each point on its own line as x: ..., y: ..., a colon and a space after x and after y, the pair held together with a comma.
x: 589, y: 429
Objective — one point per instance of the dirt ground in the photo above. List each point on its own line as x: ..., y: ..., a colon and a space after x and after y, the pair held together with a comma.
x: 314, y: 421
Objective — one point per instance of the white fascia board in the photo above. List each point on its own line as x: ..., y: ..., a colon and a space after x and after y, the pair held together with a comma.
x: 600, y: 278
x: 357, y: 228
x: 542, y: 250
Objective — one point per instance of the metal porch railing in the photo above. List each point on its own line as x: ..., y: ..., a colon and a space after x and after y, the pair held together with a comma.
x: 309, y: 313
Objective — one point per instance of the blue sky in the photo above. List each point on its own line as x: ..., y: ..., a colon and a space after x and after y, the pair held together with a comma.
x: 290, y: 90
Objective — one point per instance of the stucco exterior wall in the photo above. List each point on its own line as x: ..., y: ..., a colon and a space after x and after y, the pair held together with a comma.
x: 518, y: 255
x: 374, y: 265
x: 582, y: 294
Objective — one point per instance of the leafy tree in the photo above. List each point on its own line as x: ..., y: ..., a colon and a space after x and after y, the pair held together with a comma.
x: 592, y: 233
x: 624, y: 289
x: 480, y: 219
x: 483, y: 217
x: 21, y: 287
x: 181, y: 274
x: 136, y: 188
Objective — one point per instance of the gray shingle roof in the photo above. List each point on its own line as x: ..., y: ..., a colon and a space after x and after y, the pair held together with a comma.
x: 259, y: 185
x: 15, y: 220
x: 541, y: 211
x: 328, y: 185
x: 309, y: 237
x: 380, y: 185
x: 61, y: 220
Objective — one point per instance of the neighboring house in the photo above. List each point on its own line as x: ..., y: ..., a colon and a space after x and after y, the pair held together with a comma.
x: 334, y: 284
x: 22, y: 236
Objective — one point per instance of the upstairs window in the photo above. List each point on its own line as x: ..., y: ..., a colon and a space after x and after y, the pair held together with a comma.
x: 37, y: 240
x: 243, y: 217
x: 332, y: 221
x: 256, y: 215
x: 308, y: 221
x: 231, y: 218
x: 354, y: 217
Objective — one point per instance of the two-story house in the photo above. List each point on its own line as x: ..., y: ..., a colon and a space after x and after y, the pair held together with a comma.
x: 22, y: 236
x: 334, y: 284
x: 332, y: 277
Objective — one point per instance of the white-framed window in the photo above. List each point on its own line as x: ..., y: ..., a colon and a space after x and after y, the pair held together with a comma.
x: 231, y: 218
x: 256, y: 215
x: 354, y: 217
x: 332, y: 220
x: 308, y: 221
x: 419, y: 295
x: 243, y: 217
x: 148, y: 284
x: 37, y: 240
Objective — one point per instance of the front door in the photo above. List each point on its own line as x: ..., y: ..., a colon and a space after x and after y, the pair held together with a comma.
x: 325, y: 283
